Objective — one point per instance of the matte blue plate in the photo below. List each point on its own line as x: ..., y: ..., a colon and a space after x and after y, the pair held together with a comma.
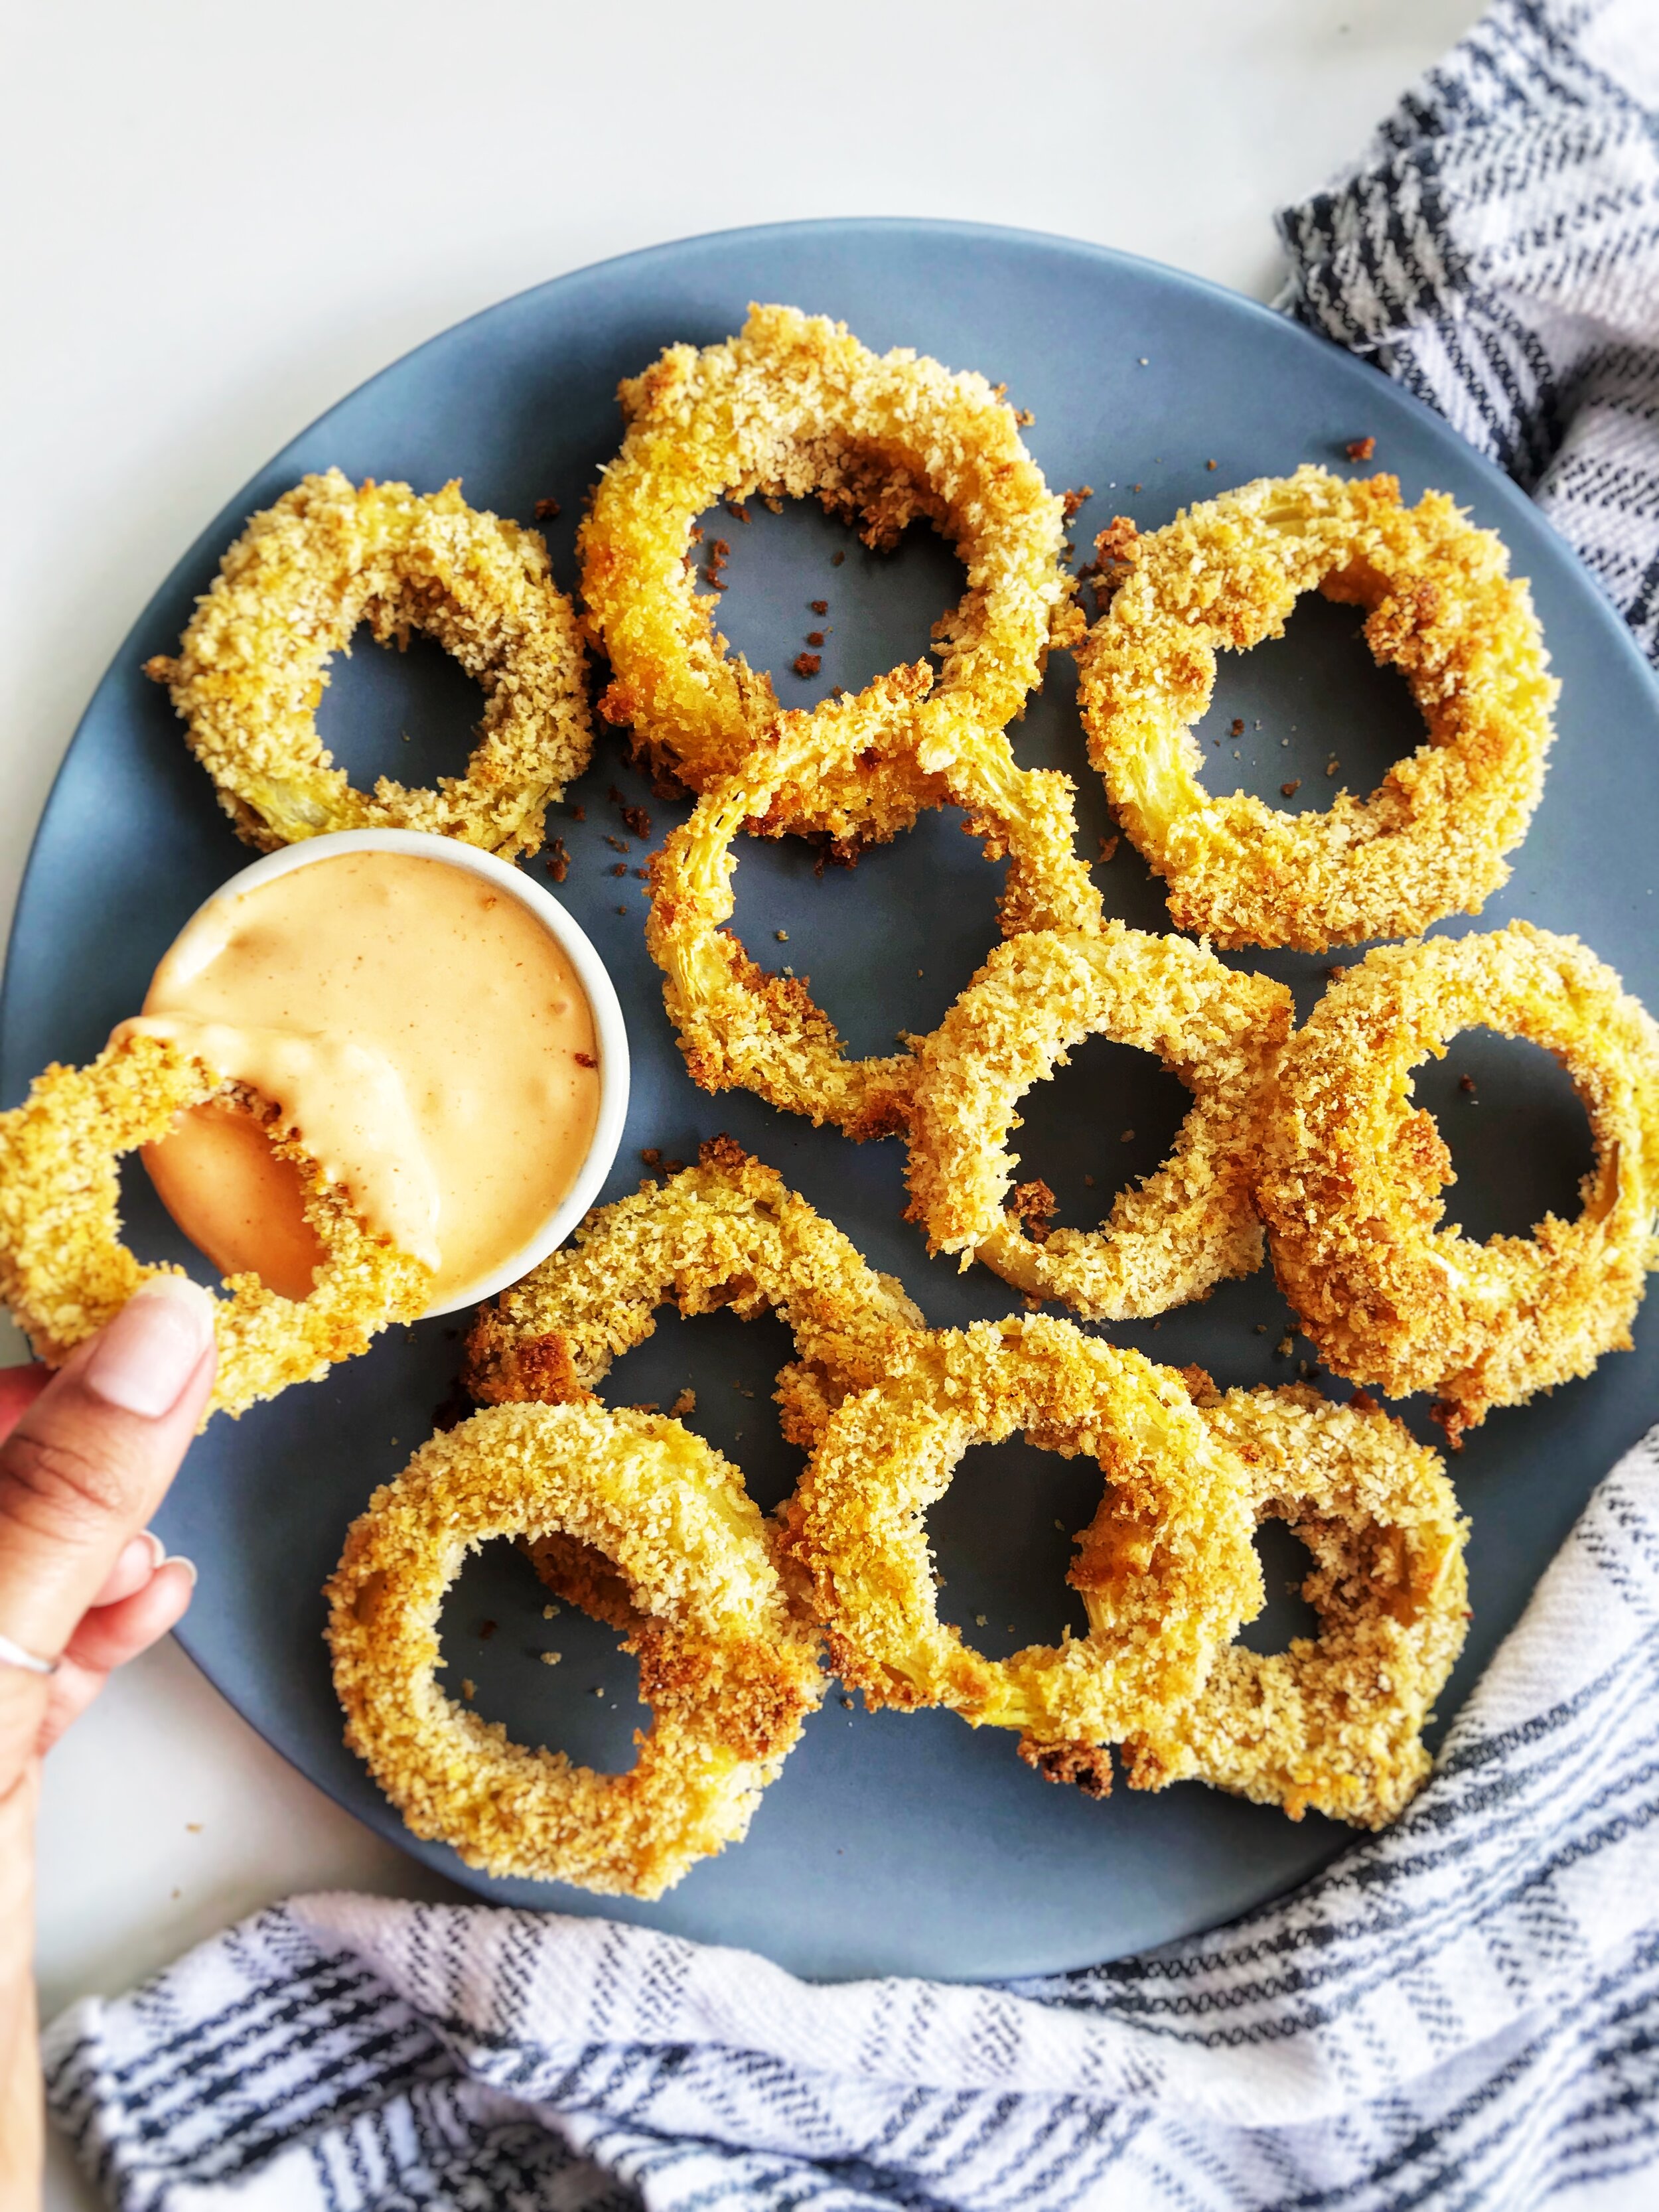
x: 890, y: 1843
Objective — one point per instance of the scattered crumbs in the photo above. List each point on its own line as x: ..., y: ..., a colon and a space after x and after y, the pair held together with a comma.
x: 1261, y: 1329
x: 684, y: 1404
x: 550, y: 1658
x: 1024, y: 417
x: 1285, y: 1345
x: 1361, y: 449
x: 584, y: 1059
x: 486, y: 1630
x: 644, y: 874
x: 1307, y: 1369
x: 741, y: 1390
x: 547, y: 510
x: 1466, y: 1083
x: 1127, y: 1138
x: 548, y: 1611
x: 1236, y: 754
x: 598, y: 1689
x: 1209, y: 465
x: 619, y: 867
x: 1331, y: 767
x: 1033, y: 1305
x: 579, y: 814
x: 786, y: 970
x: 1335, y: 974
x: 696, y: 533
x: 1158, y: 1324
x: 820, y: 607
x: 835, y: 559
x: 782, y: 936
x: 1061, y: 1525
x: 1011, y: 1628
x: 736, y: 509
x: 651, y: 1157
x: 193, y: 1827
x: 1088, y: 1182
x: 673, y: 1167
x: 1238, y: 725
x: 638, y: 820
x: 617, y: 844
x: 1107, y: 849
x: 815, y: 637
x: 978, y: 1620
x: 557, y: 862
x: 1289, y: 790
x: 807, y: 664
x: 847, y: 1702
x: 1071, y: 500
x: 1142, y: 363
x: 622, y: 909
x: 1134, y: 487
x: 469, y: 1688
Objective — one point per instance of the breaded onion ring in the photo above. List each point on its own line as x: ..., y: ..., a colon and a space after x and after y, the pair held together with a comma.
x: 253, y: 665
x: 728, y: 1232
x: 741, y: 1026
x: 1181, y: 1230
x: 1335, y: 1723
x: 1352, y: 1189
x: 1441, y: 608
x: 1166, y: 1569
x: 727, y: 1674
x: 64, y: 1272
x: 792, y: 406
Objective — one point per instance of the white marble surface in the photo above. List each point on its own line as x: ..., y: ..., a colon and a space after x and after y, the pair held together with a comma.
x: 223, y: 218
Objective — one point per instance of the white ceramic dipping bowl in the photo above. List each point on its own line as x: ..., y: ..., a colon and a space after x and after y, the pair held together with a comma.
x: 590, y: 972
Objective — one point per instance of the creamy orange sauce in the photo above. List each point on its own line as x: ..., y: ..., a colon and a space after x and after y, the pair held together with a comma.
x: 421, y: 1033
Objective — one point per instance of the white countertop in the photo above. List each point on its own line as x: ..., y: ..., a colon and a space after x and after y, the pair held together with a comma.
x: 223, y: 218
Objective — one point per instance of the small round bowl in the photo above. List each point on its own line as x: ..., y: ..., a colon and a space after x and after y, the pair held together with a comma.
x: 590, y: 972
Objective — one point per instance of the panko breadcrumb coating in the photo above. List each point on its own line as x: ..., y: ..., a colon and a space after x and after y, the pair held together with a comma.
x: 793, y: 407
x: 728, y: 1673
x: 1166, y: 1570
x: 290, y: 592
x: 740, y: 1025
x: 64, y: 1271
x: 1183, y: 1229
x: 1440, y: 607
x: 728, y: 1232
x: 1353, y: 1182
x: 1334, y: 1723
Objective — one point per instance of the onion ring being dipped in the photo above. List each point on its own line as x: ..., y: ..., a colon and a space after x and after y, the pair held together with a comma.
x: 1333, y: 1724
x: 1183, y: 1229
x: 740, y: 1025
x: 728, y: 1675
x: 1166, y: 1570
x: 1440, y: 607
x: 794, y: 406
x: 1352, y: 1189
x: 728, y: 1232
x: 290, y: 592
x: 64, y: 1272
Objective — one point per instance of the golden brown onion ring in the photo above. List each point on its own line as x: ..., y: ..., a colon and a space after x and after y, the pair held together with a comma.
x: 1183, y: 1229
x: 253, y: 665
x: 1166, y: 1570
x: 1351, y: 1190
x: 64, y: 1271
x: 1440, y: 607
x: 727, y: 1674
x: 790, y: 407
x: 741, y: 1026
x: 1334, y: 1723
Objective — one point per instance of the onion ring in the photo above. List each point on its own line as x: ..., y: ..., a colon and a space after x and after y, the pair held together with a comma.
x: 1441, y: 608
x: 64, y: 1272
x: 1334, y: 1723
x: 291, y: 591
x: 728, y: 1675
x: 792, y: 406
x: 728, y: 1232
x: 1166, y: 1569
x: 1351, y: 1190
x: 1184, y: 1228
x: 740, y: 1026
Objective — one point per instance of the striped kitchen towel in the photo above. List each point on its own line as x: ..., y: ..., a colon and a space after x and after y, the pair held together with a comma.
x: 1496, y: 250
x: 1463, y: 2012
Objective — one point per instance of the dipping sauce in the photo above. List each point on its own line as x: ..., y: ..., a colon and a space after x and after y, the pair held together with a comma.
x: 425, y: 1038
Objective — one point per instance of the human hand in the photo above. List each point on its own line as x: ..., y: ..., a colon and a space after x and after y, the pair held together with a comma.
x: 85, y: 1455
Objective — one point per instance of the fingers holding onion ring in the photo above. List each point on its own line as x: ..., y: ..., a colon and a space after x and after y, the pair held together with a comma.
x: 1440, y: 606
x: 1333, y: 1724
x: 64, y: 1271
x: 728, y: 1675
x: 1351, y: 1191
x: 1183, y: 1229
x: 291, y: 591
x: 794, y: 407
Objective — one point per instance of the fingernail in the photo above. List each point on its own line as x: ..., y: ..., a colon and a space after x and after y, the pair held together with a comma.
x: 178, y: 1560
x: 147, y: 1354
x: 158, y: 1550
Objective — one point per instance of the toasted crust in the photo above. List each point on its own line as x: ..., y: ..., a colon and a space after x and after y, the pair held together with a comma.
x: 792, y: 407
x: 1166, y: 1569
x: 1352, y: 1187
x: 728, y: 1675
x: 1441, y: 607
x: 64, y: 1272
x: 1333, y: 1724
x: 290, y: 594
x: 1183, y: 1229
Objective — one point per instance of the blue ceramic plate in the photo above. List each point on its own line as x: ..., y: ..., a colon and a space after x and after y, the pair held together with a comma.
x: 890, y: 1843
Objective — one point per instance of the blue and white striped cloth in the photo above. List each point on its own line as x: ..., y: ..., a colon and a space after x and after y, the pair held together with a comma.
x: 1465, y: 2011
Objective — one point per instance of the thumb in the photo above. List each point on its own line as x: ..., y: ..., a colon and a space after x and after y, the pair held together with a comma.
x: 84, y: 1468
